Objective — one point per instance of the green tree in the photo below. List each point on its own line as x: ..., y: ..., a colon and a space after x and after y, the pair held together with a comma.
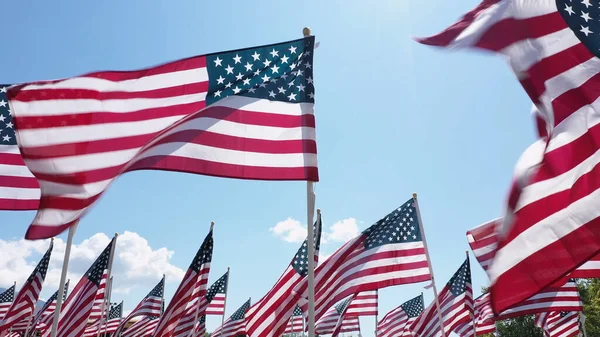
x: 589, y: 290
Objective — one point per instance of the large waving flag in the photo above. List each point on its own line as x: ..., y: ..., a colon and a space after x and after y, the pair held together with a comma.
x: 270, y: 315
x: 235, y: 324
x: 396, y: 322
x: 23, y: 306
x: 77, y: 308
x: 456, y: 306
x: 191, y: 288
x: 553, y: 222
x: 151, y: 305
x: 245, y: 114
x: 390, y: 252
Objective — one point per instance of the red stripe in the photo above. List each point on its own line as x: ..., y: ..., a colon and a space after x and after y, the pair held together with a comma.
x: 11, y: 159
x: 18, y: 182
x: 18, y: 204
x: 180, y: 65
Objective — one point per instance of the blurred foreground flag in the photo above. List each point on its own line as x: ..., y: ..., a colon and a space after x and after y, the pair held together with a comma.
x: 553, y: 218
x: 244, y: 114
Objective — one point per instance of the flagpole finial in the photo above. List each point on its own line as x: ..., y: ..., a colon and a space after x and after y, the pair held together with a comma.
x: 116, y: 234
x: 212, y: 225
x: 306, y: 31
x: 51, y: 240
x: 414, y: 195
x: 318, y: 211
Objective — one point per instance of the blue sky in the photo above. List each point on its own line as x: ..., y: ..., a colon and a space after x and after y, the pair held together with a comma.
x: 393, y: 118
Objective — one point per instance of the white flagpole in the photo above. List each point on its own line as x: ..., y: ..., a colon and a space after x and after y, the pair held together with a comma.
x: 103, y: 321
x: 377, y: 306
x: 310, y: 209
x: 108, y: 288
x: 435, y: 293
x: 226, y: 294
x: 582, y: 320
x: 63, y: 279
x: 472, y: 313
x: 191, y: 334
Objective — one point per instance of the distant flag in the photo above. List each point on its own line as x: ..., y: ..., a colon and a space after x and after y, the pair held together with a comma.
x: 6, y: 300
x: 550, y: 225
x: 200, y: 328
x: 44, y: 317
x: 334, y: 320
x: 151, y: 305
x: 235, y: 324
x: 558, y: 323
x: 143, y: 328
x: 19, y: 190
x: 456, y: 306
x: 24, y: 305
x: 396, y: 322
x: 246, y: 114
x: 484, y: 318
x: 109, y: 326
x: 270, y: 315
x: 191, y: 288
x: 78, y: 306
x: 390, y: 252
x: 296, y: 323
x: 363, y: 304
x: 216, y: 294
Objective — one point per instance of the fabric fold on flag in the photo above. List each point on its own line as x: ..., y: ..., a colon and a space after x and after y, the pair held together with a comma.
x: 185, y: 301
x: 235, y: 324
x: 396, y: 323
x: 270, y: 315
x: 456, y: 306
x: 151, y: 305
x: 552, y: 218
x: 389, y: 252
x: 23, y: 306
x: 245, y: 114
x: 78, y: 306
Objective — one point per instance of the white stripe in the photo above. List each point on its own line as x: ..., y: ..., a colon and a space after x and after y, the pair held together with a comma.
x: 15, y: 171
x: 146, y: 83
x: 19, y: 193
x: 265, y: 106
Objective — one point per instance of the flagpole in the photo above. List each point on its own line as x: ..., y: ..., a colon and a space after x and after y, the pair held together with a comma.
x: 109, y: 287
x: 377, y: 311
x: 226, y: 295
x: 63, y: 278
x: 435, y: 293
x: 191, y: 334
x: 310, y: 208
x: 582, y: 319
x: 32, y: 316
x: 107, y: 301
x: 472, y: 309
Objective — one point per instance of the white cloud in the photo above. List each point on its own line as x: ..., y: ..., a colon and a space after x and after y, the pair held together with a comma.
x: 135, y: 263
x: 290, y: 230
x: 342, y: 231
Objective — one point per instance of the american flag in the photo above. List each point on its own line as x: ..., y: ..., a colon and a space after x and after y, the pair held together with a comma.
x: 396, y: 322
x: 109, y: 326
x: 6, y: 299
x: 191, y: 288
x: 565, y: 298
x: 363, y: 304
x: 44, y: 317
x: 143, y: 328
x: 24, y: 304
x: 484, y: 318
x: 215, y: 296
x: 151, y: 305
x: 270, y: 316
x: 19, y: 190
x: 558, y: 323
x: 296, y: 323
x: 335, y: 321
x: 245, y: 114
x: 552, y: 222
x: 484, y: 243
x: 390, y: 252
x: 200, y: 328
x: 100, y: 308
x: 77, y: 308
x: 235, y: 324
x: 456, y: 306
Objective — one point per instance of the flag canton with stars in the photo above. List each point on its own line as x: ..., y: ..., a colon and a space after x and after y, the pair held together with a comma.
x: 458, y: 282
x: 94, y: 274
x: 204, y: 254
x: 116, y: 311
x: 217, y: 288
x: 414, y: 307
x: 582, y: 16
x: 42, y: 267
x: 400, y: 226
x: 342, y: 306
x: 241, y: 312
x: 158, y: 290
x: 202, y: 319
x: 7, y: 128
x: 8, y: 295
x: 297, y: 311
x: 279, y: 72
x: 300, y: 262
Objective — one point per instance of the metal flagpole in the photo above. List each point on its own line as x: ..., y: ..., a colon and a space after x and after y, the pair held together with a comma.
x: 225, y: 301
x: 376, y: 312
x: 435, y: 293
x: 582, y: 320
x: 212, y: 225
x: 103, y: 321
x: 63, y: 278
x: 310, y: 209
x: 472, y: 313
x: 108, y: 288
